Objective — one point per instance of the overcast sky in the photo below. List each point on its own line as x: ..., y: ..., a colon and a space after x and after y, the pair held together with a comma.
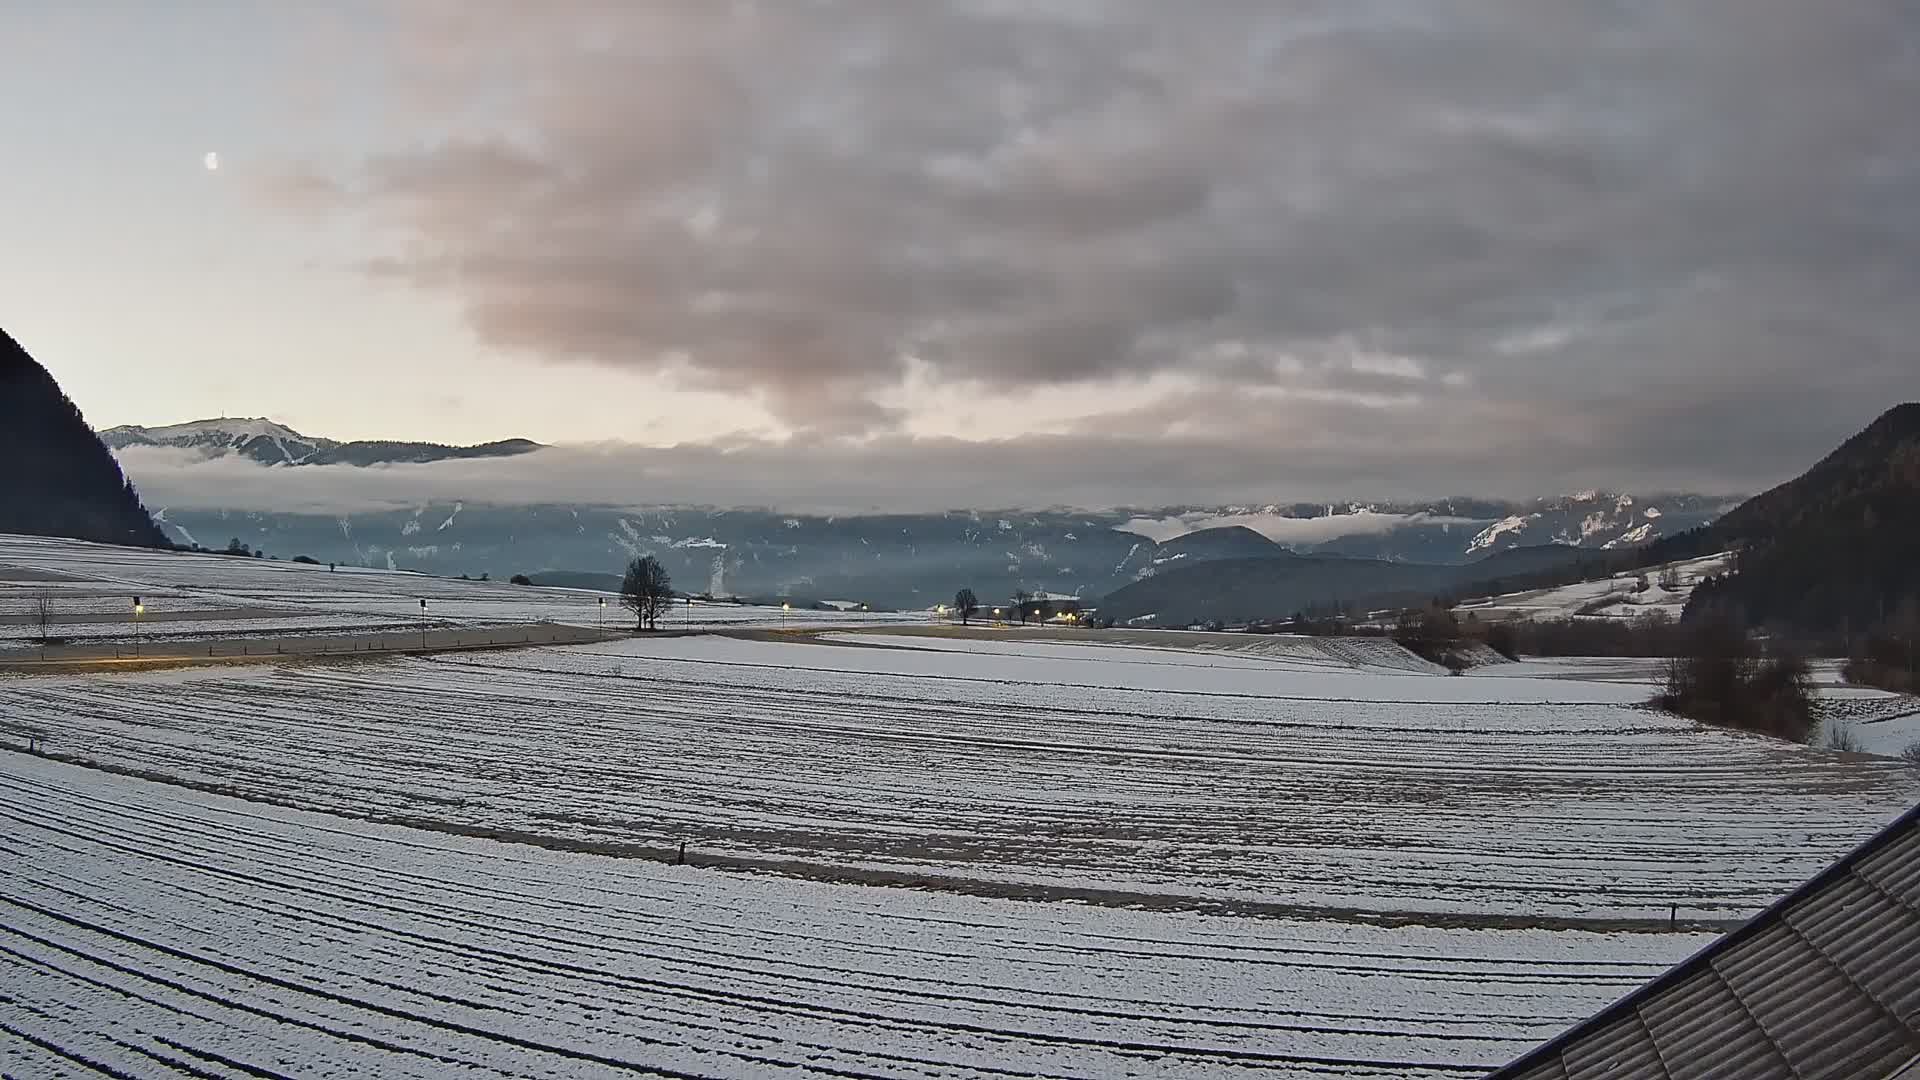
x: 1289, y: 250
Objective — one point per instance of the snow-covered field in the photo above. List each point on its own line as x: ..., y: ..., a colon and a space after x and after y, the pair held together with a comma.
x: 1196, y: 780
x: 915, y: 854
x: 1863, y: 718
x: 159, y: 932
x: 1617, y: 597
x: 256, y: 597
x: 1298, y: 651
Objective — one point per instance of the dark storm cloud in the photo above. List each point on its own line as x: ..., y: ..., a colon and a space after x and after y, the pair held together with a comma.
x: 1619, y: 231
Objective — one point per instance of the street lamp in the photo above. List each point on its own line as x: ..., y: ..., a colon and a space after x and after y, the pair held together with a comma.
x: 784, y: 608
x: 603, y: 614
x: 423, y: 622
x: 139, y: 609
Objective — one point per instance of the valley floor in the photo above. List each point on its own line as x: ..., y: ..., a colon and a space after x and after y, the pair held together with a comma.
x: 155, y: 931
x: 983, y: 854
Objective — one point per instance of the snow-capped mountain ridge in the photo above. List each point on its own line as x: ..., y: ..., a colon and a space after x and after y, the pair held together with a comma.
x: 255, y: 437
x: 920, y: 559
x: 1446, y: 530
x: 271, y: 443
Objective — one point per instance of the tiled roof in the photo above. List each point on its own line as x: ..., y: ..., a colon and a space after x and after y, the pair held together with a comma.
x: 1824, y: 984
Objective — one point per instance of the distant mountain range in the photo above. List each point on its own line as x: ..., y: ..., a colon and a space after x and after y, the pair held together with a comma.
x: 892, y: 560
x: 59, y: 480
x: 1274, y: 585
x: 269, y: 443
x: 1827, y: 555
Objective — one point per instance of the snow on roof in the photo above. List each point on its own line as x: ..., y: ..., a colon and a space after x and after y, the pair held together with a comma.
x: 1820, y: 979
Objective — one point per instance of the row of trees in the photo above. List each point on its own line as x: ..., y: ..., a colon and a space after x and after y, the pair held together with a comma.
x: 1717, y: 673
x: 1889, y: 655
x: 1722, y: 677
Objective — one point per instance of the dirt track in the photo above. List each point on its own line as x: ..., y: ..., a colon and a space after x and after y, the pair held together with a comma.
x: 108, y: 657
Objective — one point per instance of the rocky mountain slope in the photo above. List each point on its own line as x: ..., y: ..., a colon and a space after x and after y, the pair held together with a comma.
x: 59, y: 480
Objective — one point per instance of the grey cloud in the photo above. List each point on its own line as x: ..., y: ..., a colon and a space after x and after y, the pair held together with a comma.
x: 1692, y: 208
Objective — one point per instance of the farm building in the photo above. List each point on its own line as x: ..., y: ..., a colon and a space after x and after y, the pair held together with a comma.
x: 1048, y: 607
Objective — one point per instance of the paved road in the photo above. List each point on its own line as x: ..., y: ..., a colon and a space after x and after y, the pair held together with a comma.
x: 225, y: 650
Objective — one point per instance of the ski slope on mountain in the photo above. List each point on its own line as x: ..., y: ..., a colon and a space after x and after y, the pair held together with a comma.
x: 1615, y: 597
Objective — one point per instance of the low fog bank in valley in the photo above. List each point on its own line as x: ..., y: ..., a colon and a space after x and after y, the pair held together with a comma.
x: 894, y: 474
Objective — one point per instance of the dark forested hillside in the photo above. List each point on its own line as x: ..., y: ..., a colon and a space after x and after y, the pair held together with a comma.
x: 1836, y: 549
x: 59, y: 479
x: 1238, y: 590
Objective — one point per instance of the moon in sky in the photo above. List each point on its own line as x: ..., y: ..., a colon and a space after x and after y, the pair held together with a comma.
x: 213, y: 160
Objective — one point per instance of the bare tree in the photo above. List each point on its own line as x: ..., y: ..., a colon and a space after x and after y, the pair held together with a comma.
x: 1021, y: 598
x: 646, y: 591
x: 965, y: 604
x: 43, y: 615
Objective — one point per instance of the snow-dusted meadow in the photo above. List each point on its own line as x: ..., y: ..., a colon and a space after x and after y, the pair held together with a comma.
x: 1196, y: 779
x: 90, y: 589
x: 914, y: 853
x: 160, y: 932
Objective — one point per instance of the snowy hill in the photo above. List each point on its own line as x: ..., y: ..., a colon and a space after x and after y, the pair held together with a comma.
x: 270, y: 443
x: 257, y: 438
x: 1668, y: 588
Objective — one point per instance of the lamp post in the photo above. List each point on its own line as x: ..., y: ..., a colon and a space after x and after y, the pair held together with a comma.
x: 603, y: 615
x: 139, y: 609
x: 784, y: 608
x: 423, y: 622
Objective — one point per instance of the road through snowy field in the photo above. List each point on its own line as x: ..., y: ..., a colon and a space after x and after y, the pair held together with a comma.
x: 150, y: 931
x: 82, y: 581
x: 1126, y: 776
